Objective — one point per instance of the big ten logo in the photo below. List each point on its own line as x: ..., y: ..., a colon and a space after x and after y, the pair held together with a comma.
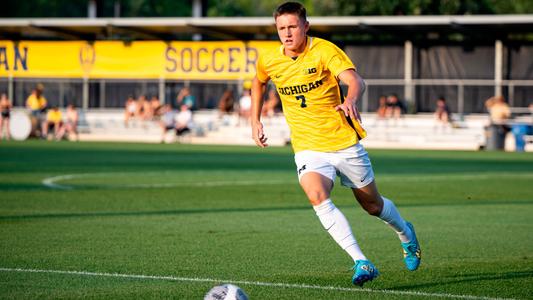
x: 87, y: 57
x: 310, y: 71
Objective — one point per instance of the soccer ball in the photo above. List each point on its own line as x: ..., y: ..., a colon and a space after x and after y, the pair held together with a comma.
x: 226, y: 292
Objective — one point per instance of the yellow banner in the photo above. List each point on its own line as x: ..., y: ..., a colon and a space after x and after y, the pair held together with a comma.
x: 228, y: 60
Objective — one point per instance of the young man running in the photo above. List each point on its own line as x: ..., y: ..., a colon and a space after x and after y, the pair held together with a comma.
x: 325, y: 132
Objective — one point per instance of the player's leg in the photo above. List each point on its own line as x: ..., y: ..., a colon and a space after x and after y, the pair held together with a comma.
x: 355, y: 170
x: 316, y: 178
x: 61, y: 132
x: 383, y: 208
x: 58, y: 129
x: 317, y: 188
x: 45, y: 126
x: 374, y: 204
x: 163, y: 128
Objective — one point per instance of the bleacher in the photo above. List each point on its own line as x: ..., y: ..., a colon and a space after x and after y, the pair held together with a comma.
x: 410, y: 132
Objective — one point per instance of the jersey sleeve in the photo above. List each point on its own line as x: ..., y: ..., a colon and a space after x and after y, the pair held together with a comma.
x: 261, y: 73
x: 338, y: 61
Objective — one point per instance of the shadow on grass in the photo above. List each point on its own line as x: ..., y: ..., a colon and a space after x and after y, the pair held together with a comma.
x: 223, y: 210
x: 468, y: 278
x: 153, y: 213
x: 22, y: 187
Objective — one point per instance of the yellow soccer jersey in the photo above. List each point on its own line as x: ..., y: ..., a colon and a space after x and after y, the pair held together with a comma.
x: 35, y: 103
x: 54, y: 116
x: 309, y: 91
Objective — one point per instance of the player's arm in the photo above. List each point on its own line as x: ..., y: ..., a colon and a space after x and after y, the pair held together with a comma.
x: 258, y: 88
x: 356, y: 88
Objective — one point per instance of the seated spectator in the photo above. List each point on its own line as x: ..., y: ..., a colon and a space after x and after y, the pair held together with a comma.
x: 36, y: 102
x: 54, y: 120
x: 497, y: 129
x: 167, y: 121
x: 5, y: 112
x: 442, y: 112
x: 155, y: 106
x: 183, y: 120
x: 269, y: 107
x: 394, y: 107
x: 37, y: 105
x: 381, y: 112
x: 130, y: 110
x: 185, y: 97
x: 498, y: 109
x: 226, y: 103
x: 143, y: 108
x: 382, y: 107
x: 71, y: 124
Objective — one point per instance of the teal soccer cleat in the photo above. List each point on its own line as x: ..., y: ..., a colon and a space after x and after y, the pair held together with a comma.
x: 364, y: 271
x: 411, y: 251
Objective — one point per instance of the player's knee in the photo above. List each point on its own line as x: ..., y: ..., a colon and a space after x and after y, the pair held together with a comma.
x: 373, y: 209
x: 316, y: 197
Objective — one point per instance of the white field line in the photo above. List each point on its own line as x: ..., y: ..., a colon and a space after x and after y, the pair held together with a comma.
x: 254, y: 283
x: 52, y: 182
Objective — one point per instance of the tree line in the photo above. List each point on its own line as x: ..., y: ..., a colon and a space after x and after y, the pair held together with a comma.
x: 251, y: 8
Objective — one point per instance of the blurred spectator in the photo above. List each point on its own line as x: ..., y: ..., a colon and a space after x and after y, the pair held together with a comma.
x: 54, y: 120
x: 167, y: 121
x: 37, y: 105
x: 381, y: 112
x: 185, y: 97
x: 36, y: 102
x: 130, y: 109
x: 183, y: 120
x: 382, y: 107
x: 71, y: 124
x: 155, y: 106
x: 442, y: 113
x: 497, y: 129
x: 5, y: 111
x: 269, y: 107
x: 226, y: 103
x: 394, y: 107
x: 245, y: 104
x: 498, y: 109
x: 143, y: 108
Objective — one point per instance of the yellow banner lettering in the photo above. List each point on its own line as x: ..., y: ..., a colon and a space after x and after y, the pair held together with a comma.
x: 222, y: 60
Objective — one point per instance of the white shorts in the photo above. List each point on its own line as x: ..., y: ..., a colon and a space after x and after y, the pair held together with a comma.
x: 351, y: 164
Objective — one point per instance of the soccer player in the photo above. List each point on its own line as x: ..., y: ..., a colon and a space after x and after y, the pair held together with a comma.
x: 325, y: 132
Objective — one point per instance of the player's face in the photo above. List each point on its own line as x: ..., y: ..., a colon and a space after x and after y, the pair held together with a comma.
x: 292, y: 33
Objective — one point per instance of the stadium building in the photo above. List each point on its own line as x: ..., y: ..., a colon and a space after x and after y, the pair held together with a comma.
x: 96, y: 63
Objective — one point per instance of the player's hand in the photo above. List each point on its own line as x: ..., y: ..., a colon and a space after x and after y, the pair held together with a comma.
x: 258, y: 135
x: 350, y: 110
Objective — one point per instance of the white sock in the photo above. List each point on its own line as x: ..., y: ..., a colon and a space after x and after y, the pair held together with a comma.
x: 336, y: 224
x: 391, y: 216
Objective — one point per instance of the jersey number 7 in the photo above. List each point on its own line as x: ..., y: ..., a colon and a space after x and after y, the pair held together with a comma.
x: 301, y: 98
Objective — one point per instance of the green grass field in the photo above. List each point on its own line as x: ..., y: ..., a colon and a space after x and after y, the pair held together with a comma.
x: 130, y: 221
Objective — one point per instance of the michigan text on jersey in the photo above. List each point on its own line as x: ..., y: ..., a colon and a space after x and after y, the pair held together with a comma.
x: 299, y: 89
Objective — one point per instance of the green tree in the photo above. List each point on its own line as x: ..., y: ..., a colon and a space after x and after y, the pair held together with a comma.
x: 249, y: 8
x: 43, y: 8
x: 155, y: 8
